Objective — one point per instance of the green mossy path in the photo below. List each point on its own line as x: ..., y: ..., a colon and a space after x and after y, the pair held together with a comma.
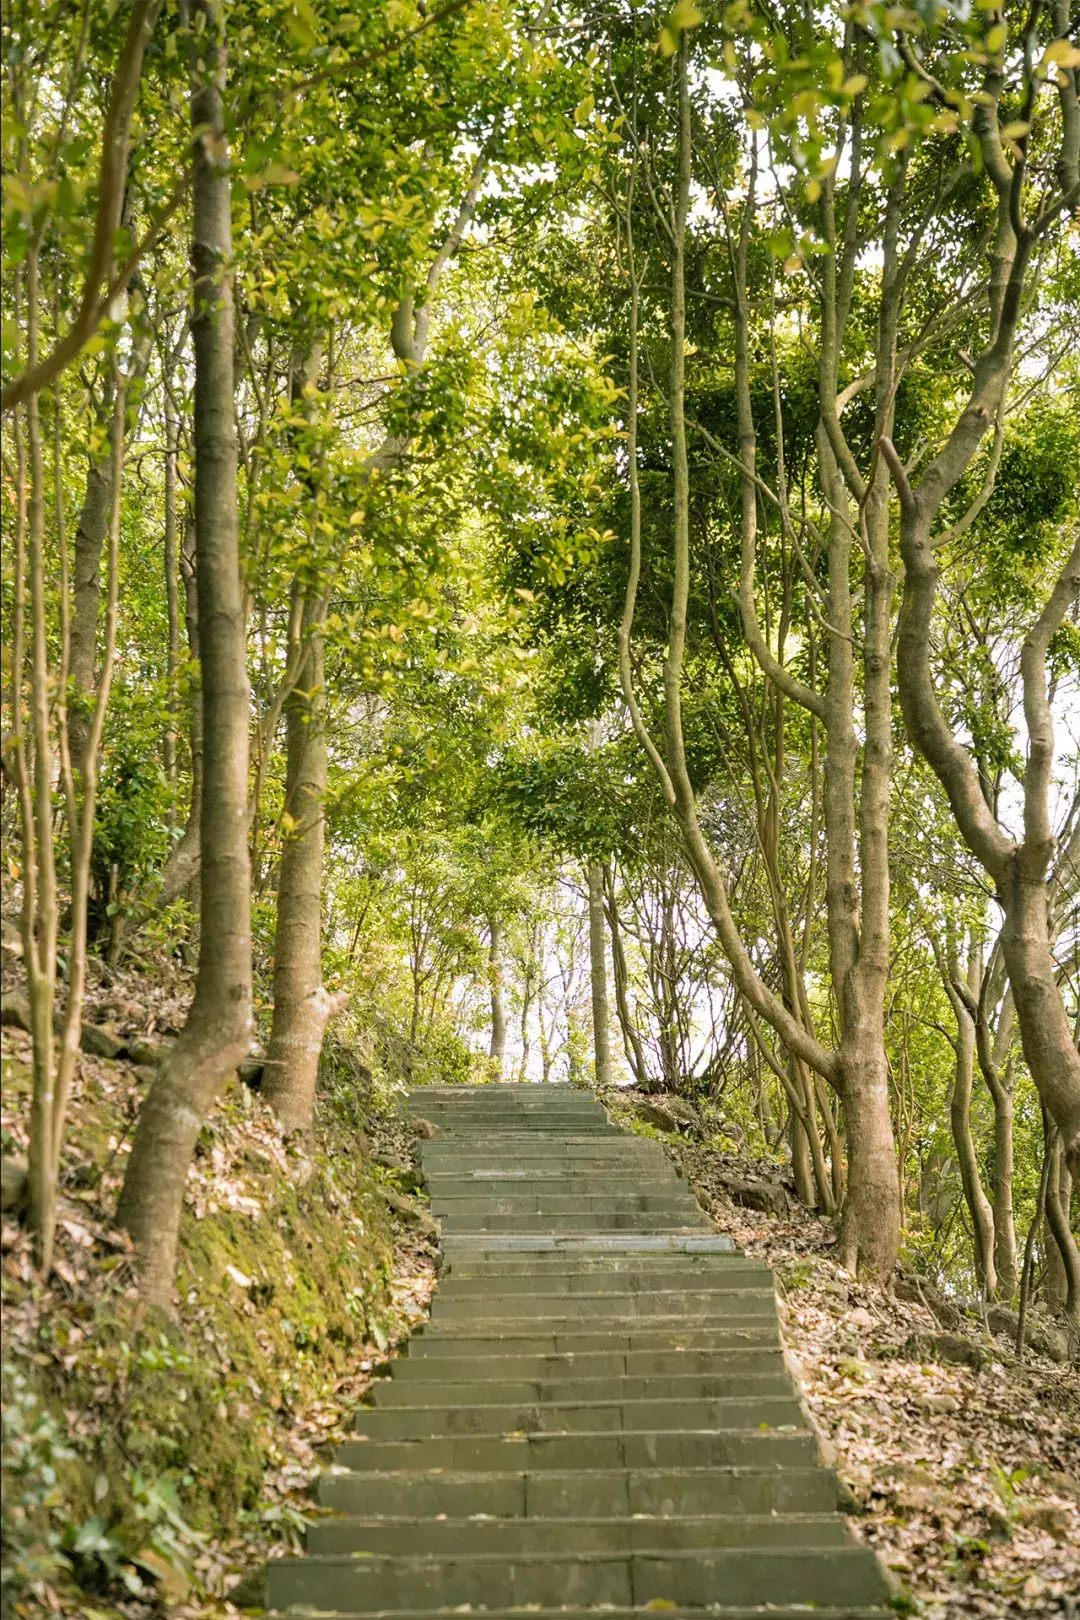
x: 596, y: 1420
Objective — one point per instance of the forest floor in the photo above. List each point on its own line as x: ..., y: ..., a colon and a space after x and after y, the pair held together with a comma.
x: 150, y: 1464
x: 964, y: 1478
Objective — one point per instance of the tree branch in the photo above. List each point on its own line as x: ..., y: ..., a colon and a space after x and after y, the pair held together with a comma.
x: 112, y: 173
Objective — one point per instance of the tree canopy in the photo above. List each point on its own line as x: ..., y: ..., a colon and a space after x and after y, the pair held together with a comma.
x: 545, y: 543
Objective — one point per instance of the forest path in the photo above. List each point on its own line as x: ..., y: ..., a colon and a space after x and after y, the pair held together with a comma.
x: 597, y: 1419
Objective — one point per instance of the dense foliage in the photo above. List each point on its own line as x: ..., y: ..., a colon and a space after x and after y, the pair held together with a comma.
x: 650, y: 466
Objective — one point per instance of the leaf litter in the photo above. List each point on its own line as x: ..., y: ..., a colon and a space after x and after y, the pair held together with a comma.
x: 70, y: 1384
x: 964, y: 1479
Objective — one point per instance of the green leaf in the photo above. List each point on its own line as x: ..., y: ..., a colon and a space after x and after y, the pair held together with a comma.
x: 302, y: 23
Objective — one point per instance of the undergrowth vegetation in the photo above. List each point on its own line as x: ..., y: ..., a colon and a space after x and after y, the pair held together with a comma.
x: 143, y: 1453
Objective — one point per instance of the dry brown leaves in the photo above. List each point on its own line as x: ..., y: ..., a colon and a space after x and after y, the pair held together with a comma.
x: 94, y: 1261
x: 967, y: 1483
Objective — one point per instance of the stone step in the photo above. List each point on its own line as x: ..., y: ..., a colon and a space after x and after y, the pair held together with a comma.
x: 496, y: 1331
x: 543, y: 1176
x: 698, y: 1303
x: 523, y: 1093
x: 597, y: 1213
x: 605, y: 1365
x: 504, y: 1090
x: 584, y: 1493
x: 610, y: 1183
x: 520, y: 1096
x: 537, y: 1136
x: 561, y: 1152
x: 513, y: 1536
x: 503, y: 1127
x: 459, y: 1281
x: 506, y: 1128
x: 627, y: 1192
x: 722, y: 1611
x: 687, y: 1448
x: 456, y: 1246
x: 398, y: 1391
x: 416, y: 1422
x: 671, y: 1200
x: 743, y: 1575
x: 517, y: 1118
x: 629, y: 1267
x: 596, y: 1165
x: 585, y: 1221
x: 567, y: 1181
x: 536, y: 1341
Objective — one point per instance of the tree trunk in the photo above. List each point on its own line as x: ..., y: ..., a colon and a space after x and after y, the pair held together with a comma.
x: 1005, y: 1259
x: 801, y: 1167
x: 635, y: 1052
x: 497, y: 1049
x: 530, y: 975
x: 870, y: 1223
x: 181, y: 870
x: 1062, y: 1252
x: 1045, y: 1036
x: 90, y: 535
x: 978, y: 1205
x: 598, y: 976
x: 216, y: 1035
x: 90, y: 532
x: 172, y: 592
x: 302, y: 1006
x: 858, y: 921
x: 999, y: 1082
x: 41, y: 909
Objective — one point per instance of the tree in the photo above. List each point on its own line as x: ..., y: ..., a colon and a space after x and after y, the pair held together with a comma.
x: 1017, y: 866
x: 218, y: 1029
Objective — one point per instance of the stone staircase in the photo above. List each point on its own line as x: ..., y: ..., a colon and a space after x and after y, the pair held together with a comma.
x: 597, y: 1420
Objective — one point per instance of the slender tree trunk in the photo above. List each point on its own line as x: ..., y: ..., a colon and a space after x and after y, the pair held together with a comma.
x: 497, y: 1049
x: 181, y: 870
x: 801, y: 1165
x: 90, y: 532
x: 832, y: 1134
x: 598, y: 976
x: 302, y: 1005
x: 995, y: 1065
x: 528, y: 990
x: 40, y: 916
x: 172, y: 590
x: 1062, y: 1251
x: 978, y: 1205
x: 545, y: 1042
x: 635, y: 1052
x: 53, y: 1069
x: 80, y: 807
x: 1005, y: 1258
x: 42, y: 912
x: 815, y: 1189
x: 216, y: 1035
